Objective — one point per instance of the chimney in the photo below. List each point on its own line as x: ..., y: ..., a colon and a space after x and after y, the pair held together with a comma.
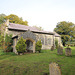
x: 7, y: 22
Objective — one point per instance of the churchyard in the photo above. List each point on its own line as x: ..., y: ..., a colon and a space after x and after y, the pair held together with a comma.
x: 36, y: 63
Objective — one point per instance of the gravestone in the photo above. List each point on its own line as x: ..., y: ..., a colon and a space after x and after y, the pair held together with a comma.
x: 54, y: 69
x: 68, y: 51
x: 52, y: 48
x: 21, y: 53
x: 60, y: 50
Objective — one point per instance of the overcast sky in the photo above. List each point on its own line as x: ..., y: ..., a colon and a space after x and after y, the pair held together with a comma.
x: 44, y: 13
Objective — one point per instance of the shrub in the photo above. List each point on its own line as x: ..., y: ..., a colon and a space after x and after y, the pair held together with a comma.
x: 56, y: 43
x: 1, y: 41
x: 8, y: 43
x: 38, y: 46
x: 21, y: 46
x: 1, y: 37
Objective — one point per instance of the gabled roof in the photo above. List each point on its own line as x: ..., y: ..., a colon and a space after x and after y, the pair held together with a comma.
x: 20, y: 27
x: 14, y: 26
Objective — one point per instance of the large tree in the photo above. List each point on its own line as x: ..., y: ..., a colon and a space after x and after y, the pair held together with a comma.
x: 2, y: 18
x: 15, y: 19
x: 66, y: 30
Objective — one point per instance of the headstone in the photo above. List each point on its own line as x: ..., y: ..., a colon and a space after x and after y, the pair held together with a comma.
x: 21, y: 53
x: 52, y: 48
x: 68, y: 51
x: 60, y: 50
x: 54, y: 69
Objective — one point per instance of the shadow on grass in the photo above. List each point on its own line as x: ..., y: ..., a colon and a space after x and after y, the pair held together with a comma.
x: 73, y: 56
x: 6, y: 53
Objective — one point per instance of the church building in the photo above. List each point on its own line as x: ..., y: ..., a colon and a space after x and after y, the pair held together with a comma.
x: 31, y: 35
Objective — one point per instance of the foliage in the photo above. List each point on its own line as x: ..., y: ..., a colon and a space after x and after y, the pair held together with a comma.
x: 39, y: 28
x: 2, y: 18
x: 71, y: 42
x: 38, y: 46
x: 66, y: 30
x: 21, y: 46
x: 56, y: 43
x: 65, y: 38
x: 1, y: 41
x: 8, y: 43
x: 15, y: 19
x: 1, y: 38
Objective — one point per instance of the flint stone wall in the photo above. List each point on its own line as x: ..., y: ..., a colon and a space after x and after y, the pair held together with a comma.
x: 46, y: 39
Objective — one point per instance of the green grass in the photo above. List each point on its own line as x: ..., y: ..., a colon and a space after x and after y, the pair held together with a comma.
x: 35, y: 63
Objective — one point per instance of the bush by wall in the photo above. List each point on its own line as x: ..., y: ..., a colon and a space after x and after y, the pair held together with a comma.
x: 21, y: 46
x: 38, y: 46
x: 8, y: 43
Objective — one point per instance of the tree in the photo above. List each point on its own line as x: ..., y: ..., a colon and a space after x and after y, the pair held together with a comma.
x: 39, y: 28
x: 1, y: 41
x: 2, y: 18
x: 65, y: 38
x: 38, y: 46
x: 8, y: 43
x: 15, y: 19
x: 1, y: 37
x: 21, y: 46
x: 24, y: 23
x: 66, y: 30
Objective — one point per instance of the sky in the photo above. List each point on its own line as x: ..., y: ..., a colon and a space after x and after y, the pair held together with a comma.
x: 43, y: 13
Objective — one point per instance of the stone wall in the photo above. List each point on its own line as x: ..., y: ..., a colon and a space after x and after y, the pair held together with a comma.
x: 46, y: 39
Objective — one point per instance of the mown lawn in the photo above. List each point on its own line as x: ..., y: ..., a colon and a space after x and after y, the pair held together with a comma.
x: 35, y: 63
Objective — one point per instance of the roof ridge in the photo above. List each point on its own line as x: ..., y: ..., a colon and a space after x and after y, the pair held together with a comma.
x: 24, y: 27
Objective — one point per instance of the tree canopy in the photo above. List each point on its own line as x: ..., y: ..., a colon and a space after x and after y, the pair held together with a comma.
x: 2, y: 18
x: 15, y: 19
x: 39, y: 28
x: 66, y: 30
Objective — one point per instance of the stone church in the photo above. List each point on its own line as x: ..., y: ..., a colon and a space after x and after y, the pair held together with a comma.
x: 31, y: 35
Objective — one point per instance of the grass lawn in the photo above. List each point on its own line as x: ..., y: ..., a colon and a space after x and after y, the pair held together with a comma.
x: 35, y: 63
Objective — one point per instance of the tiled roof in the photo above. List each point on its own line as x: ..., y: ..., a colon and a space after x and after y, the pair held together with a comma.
x: 20, y: 27
x: 24, y: 27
